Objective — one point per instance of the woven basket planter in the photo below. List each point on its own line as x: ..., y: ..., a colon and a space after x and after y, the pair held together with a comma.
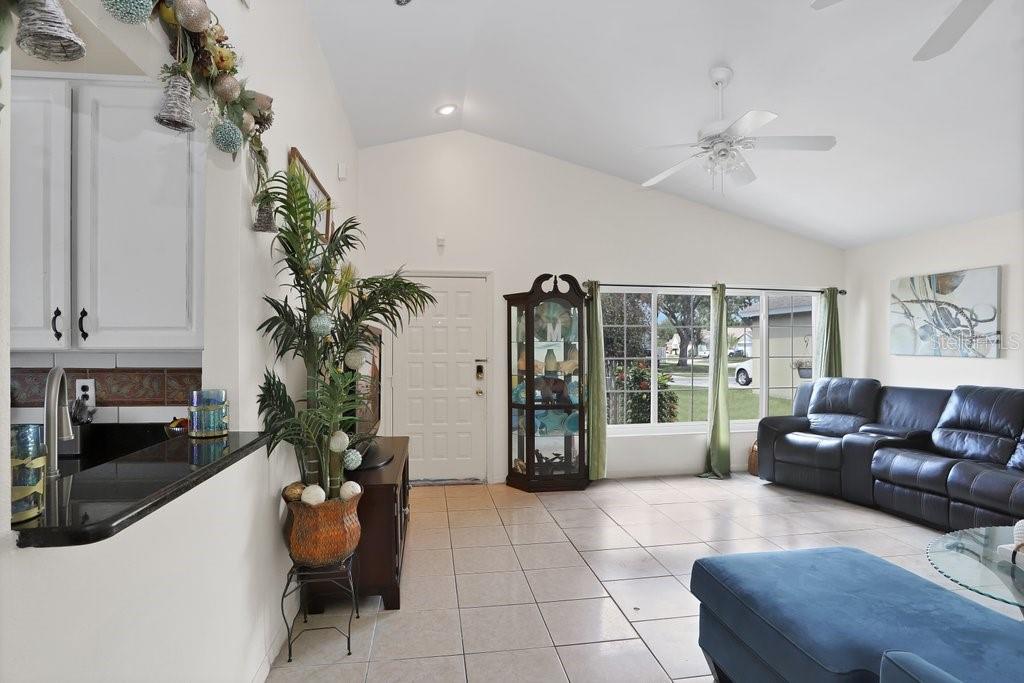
x: 322, y: 535
x: 752, y: 459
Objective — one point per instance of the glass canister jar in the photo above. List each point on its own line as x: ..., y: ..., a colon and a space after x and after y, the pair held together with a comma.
x: 208, y: 413
x: 28, y: 469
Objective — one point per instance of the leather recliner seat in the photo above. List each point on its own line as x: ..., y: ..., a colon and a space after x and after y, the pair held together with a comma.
x: 978, y: 432
x: 950, y: 459
x: 805, y: 451
x: 906, y: 413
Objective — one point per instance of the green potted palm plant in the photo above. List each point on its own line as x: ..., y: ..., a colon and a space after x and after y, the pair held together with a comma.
x: 324, y: 315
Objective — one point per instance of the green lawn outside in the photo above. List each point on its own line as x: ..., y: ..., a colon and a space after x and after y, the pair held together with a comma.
x: 697, y: 367
x: 743, y: 405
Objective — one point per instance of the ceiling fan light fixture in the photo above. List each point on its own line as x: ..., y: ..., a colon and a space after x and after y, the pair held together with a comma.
x: 446, y: 109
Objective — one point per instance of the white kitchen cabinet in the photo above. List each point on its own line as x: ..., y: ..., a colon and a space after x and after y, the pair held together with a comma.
x: 138, y: 214
x: 125, y: 267
x: 41, y: 316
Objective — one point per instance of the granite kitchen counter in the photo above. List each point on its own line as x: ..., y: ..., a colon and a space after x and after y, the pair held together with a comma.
x: 99, y: 502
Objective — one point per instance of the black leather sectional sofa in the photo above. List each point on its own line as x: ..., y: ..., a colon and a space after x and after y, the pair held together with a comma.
x: 951, y: 459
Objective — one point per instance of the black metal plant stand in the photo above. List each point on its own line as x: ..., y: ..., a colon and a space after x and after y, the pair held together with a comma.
x: 338, y: 574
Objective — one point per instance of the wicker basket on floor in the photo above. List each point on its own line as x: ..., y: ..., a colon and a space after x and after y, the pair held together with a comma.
x: 752, y: 459
x: 324, y: 534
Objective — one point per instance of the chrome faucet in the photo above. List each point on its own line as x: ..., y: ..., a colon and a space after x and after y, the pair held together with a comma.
x: 56, y: 427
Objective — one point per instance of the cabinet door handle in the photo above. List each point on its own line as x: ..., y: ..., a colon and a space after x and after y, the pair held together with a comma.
x: 81, y: 327
x: 53, y: 323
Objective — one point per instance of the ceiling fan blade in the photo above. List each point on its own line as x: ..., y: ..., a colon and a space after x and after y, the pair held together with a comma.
x: 952, y: 29
x: 670, y: 171
x: 809, y: 143
x: 749, y: 122
x: 675, y: 145
x: 822, y: 4
x: 742, y: 174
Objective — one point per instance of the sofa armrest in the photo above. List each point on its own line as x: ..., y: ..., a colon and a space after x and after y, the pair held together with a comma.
x: 906, y: 667
x: 855, y: 468
x: 918, y: 435
x: 769, y: 429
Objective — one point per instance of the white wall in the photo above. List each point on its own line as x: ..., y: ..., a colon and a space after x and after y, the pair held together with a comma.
x: 995, y: 241
x: 516, y: 213
x: 189, y: 592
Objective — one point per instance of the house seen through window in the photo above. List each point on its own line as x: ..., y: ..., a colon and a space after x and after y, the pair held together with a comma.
x: 657, y: 346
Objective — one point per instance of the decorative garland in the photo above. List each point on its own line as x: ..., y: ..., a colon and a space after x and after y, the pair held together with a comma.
x: 204, y: 58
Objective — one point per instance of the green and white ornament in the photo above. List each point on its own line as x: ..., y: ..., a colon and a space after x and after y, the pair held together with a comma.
x: 130, y: 11
x: 321, y: 324
x: 353, y: 459
x: 227, y: 137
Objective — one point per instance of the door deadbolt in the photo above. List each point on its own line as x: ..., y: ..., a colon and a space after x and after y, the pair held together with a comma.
x: 479, y: 370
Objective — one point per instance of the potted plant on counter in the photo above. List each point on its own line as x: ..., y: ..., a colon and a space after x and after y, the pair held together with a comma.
x: 323, y: 317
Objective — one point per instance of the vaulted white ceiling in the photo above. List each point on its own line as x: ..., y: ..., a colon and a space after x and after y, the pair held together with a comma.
x: 593, y: 82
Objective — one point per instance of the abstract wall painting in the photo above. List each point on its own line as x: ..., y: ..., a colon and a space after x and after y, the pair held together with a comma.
x: 946, y: 314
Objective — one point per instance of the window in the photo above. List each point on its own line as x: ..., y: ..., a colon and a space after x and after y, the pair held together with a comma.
x: 669, y: 331
x: 790, y: 348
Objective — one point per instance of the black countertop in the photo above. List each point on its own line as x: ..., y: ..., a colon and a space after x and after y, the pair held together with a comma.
x: 101, y: 501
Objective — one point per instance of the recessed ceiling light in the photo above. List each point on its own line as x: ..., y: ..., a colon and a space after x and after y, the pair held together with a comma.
x: 447, y: 109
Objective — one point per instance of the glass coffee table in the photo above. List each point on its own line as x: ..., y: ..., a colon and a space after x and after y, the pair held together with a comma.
x: 969, y: 558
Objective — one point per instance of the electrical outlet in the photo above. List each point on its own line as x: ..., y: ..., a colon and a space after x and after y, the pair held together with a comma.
x: 85, y: 391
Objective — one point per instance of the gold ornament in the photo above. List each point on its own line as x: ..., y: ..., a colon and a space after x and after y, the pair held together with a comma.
x: 293, y: 492
x: 193, y: 15
x: 216, y: 34
x: 227, y: 88
x: 167, y: 13
x: 223, y: 58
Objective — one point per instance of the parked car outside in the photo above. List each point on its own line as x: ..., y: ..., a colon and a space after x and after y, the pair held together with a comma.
x: 744, y: 372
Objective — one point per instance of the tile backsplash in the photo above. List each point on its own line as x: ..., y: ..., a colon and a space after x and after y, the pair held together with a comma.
x: 115, y: 387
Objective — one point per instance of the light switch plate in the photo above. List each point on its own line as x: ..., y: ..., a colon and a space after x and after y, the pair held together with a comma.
x: 85, y: 391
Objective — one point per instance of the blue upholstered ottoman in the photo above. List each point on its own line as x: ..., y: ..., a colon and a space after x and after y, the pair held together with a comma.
x: 830, y: 614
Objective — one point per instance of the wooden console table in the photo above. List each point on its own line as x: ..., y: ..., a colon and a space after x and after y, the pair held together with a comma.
x: 383, y: 516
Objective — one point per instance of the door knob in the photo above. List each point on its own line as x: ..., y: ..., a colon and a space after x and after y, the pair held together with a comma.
x: 479, y: 392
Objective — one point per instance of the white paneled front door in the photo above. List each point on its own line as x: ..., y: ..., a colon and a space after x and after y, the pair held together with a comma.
x: 439, y: 373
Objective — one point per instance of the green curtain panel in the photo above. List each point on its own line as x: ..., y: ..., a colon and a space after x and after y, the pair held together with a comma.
x: 716, y: 464
x: 830, y: 350
x: 597, y: 409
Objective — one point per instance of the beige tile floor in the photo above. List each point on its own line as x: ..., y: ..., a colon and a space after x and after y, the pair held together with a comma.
x: 502, y: 585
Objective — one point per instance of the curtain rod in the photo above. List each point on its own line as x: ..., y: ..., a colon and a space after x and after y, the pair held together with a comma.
x: 766, y: 289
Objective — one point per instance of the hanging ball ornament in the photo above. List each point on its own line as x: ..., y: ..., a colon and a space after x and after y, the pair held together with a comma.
x: 193, y: 15
x: 248, y: 124
x: 354, y: 359
x: 129, y: 11
x: 339, y: 441
x: 227, y: 88
x: 321, y: 324
x: 227, y: 137
x: 353, y: 459
x: 165, y: 8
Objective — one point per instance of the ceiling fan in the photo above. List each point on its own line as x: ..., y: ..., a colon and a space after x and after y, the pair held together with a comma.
x: 949, y: 32
x: 721, y: 144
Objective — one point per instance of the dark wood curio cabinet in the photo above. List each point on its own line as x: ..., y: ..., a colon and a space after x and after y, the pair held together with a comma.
x: 547, y: 386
